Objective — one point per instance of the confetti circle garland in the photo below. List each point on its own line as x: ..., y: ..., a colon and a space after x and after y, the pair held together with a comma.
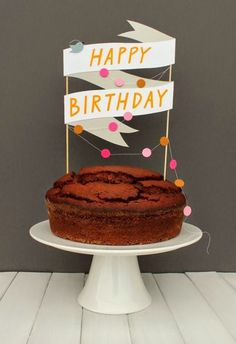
x: 119, y: 82
x: 173, y: 164
x: 187, y: 210
x: 113, y: 126
x: 179, y: 183
x: 78, y: 129
x: 128, y: 116
x: 104, y: 72
x: 141, y: 83
x: 164, y: 141
x: 105, y: 153
x: 146, y: 152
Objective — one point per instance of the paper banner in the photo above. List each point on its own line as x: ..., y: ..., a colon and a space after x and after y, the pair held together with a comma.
x: 158, y: 50
x: 119, y: 56
x: 115, y: 102
x: 99, y: 126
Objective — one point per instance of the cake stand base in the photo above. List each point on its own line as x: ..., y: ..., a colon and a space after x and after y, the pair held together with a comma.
x: 115, y: 286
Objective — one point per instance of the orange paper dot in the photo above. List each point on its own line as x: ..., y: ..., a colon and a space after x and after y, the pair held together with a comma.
x: 78, y: 129
x: 164, y: 141
x: 141, y: 83
x: 179, y: 183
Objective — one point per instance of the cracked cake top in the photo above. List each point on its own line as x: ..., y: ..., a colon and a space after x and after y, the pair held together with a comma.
x: 114, y: 188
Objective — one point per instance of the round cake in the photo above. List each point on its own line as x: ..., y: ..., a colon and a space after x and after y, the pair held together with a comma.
x: 115, y: 205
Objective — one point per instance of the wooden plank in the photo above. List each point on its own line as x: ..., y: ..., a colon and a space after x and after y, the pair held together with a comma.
x: 154, y: 324
x: 104, y: 329
x: 196, y: 320
x: 59, y: 317
x: 229, y: 277
x: 19, y: 306
x: 5, y: 281
x: 219, y: 295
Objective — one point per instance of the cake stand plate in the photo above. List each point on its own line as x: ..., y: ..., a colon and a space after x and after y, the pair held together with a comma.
x: 114, y: 284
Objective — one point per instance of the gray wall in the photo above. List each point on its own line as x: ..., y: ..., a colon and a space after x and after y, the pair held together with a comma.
x: 33, y: 34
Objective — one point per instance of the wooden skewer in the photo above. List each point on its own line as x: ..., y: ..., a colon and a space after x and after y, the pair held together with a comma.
x: 67, y: 132
x: 167, y: 130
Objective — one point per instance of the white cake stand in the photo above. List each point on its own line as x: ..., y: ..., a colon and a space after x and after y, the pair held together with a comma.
x: 114, y: 284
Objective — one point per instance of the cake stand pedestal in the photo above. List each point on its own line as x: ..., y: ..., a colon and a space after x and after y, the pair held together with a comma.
x: 114, y: 284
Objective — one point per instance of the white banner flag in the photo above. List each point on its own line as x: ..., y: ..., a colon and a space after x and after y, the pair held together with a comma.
x: 86, y: 61
x: 115, y: 56
x: 115, y: 102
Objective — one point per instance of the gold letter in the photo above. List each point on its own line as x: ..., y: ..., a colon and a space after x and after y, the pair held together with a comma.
x: 109, y: 95
x: 73, y: 104
x: 143, y: 52
x: 95, y: 99
x: 135, y: 102
x: 161, y: 95
x: 133, y: 51
x: 122, y: 101
x: 149, y: 100
x: 85, y: 104
x: 94, y: 56
x: 122, y: 50
x: 109, y: 57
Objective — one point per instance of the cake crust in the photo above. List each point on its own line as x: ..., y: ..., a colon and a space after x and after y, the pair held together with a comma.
x: 115, y: 205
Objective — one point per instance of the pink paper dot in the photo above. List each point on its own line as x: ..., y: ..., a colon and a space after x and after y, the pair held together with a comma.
x: 119, y: 82
x: 112, y: 126
x: 146, y: 152
x: 187, y: 210
x: 128, y: 116
x: 104, y: 72
x: 105, y: 153
x: 173, y: 164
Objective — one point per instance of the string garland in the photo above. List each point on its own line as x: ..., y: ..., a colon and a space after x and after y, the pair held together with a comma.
x: 106, y: 153
x: 188, y: 229
x: 146, y: 151
x: 120, y: 82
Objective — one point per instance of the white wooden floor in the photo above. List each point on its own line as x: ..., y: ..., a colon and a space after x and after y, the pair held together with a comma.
x: 187, y: 308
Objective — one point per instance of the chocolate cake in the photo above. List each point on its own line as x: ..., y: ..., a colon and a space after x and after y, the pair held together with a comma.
x: 115, y: 205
